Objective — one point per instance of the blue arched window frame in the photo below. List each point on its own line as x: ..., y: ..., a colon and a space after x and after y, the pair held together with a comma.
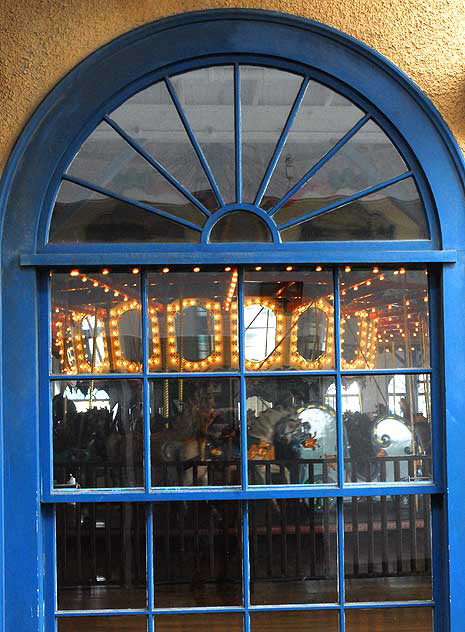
x: 29, y: 184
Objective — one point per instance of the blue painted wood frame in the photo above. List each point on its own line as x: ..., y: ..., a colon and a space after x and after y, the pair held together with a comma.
x: 29, y: 183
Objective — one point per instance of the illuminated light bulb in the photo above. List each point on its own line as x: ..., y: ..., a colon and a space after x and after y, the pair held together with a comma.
x: 135, y: 270
x: 347, y: 269
x: 105, y: 271
x: 425, y: 299
x: 381, y: 277
x: 289, y: 268
x: 106, y: 289
x: 355, y: 288
x: 196, y: 269
x: 375, y: 270
x: 402, y: 271
x: 165, y: 270
x: 95, y: 284
x: 74, y: 273
x: 115, y: 293
x: 227, y: 269
x: 343, y: 292
x: 258, y: 268
x: 318, y: 269
x: 368, y: 282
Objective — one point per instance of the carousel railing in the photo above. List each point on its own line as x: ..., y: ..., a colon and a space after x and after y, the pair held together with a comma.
x: 385, y: 536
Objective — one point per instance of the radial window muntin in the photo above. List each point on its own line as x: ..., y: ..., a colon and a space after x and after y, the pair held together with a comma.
x: 276, y: 227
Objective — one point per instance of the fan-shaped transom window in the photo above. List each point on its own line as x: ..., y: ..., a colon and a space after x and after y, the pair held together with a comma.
x: 238, y: 153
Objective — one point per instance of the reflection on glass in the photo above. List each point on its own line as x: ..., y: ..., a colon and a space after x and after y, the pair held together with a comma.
x: 195, y: 431
x: 299, y: 621
x: 150, y: 118
x: 389, y: 437
x: 322, y: 119
x: 267, y: 95
x: 194, y: 329
x: 97, y: 433
x: 240, y: 226
x: 196, y: 314
x: 260, y: 331
x: 102, y: 624
x: 387, y: 619
x: 293, y: 551
x: 101, y: 556
x: 384, y: 317
x: 367, y: 159
x: 207, y: 98
x: 107, y: 160
x: 288, y: 318
x: 393, y: 213
x: 197, y: 554
x: 312, y: 334
x: 291, y: 433
x: 95, y: 322
x: 82, y: 216
x: 214, y: 622
x: 387, y: 548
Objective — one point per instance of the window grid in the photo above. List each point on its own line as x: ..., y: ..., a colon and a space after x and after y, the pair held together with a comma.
x: 242, y: 495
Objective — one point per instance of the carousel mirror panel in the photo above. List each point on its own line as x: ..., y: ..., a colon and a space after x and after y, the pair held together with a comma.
x: 288, y: 318
x: 293, y: 551
x: 195, y: 312
x: 216, y: 622
x: 291, y: 432
x: 101, y: 556
x: 384, y: 317
x: 96, y: 322
x: 98, y: 436
x: 195, y: 432
x: 197, y: 554
x: 102, y: 624
x: 387, y: 428
x: 229, y: 451
x: 318, y: 621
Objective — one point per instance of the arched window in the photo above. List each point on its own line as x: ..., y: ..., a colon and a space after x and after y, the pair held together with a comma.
x: 234, y: 250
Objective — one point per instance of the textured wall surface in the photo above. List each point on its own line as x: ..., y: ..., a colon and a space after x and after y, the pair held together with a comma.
x: 40, y: 40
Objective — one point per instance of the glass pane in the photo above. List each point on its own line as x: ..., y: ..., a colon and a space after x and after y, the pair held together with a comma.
x: 387, y: 548
x: 384, y: 318
x: 81, y: 215
x: 291, y: 433
x: 207, y: 98
x: 151, y: 119
x: 96, y: 324
x: 387, y: 619
x: 195, y: 431
x: 323, y: 118
x: 289, y: 318
x: 293, y: 551
x: 298, y: 621
x: 197, y: 554
x: 389, y: 438
x: 101, y: 556
x: 102, y: 624
x: 214, y: 622
x: 267, y: 96
x: 107, y: 160
x: 368, y: 158
x: 98, y: 436
x: 196, y: 315
x: 240, y: 227
x: 395, y: 212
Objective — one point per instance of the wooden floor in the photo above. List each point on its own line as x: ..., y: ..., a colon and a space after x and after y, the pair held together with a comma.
x: 384, y: 620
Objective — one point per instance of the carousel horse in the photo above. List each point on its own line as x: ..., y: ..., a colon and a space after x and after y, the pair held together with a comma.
x: 268, y: 433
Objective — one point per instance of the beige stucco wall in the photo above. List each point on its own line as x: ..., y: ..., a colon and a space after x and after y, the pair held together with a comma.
x: 40, y: 40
